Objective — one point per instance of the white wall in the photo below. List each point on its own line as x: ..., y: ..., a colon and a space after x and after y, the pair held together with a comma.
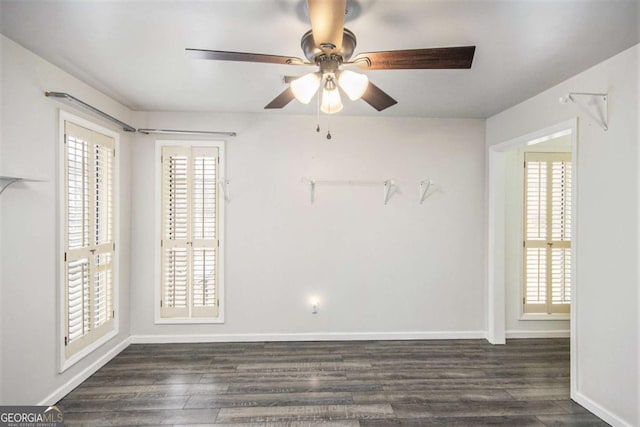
x: 28, y: 227
x: 607, y: 229
x: 514, y: 188
x: 403, y: 267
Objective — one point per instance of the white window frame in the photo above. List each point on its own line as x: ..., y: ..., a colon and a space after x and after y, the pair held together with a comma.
x: 524, y: 315
x: 64, y: 361
x: 158, y: 319
x: 520, y: 259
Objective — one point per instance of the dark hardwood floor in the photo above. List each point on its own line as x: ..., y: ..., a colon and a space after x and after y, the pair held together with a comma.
x: 362, y: 383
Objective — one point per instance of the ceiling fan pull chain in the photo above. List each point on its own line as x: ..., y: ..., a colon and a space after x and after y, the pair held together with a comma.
x: 318, y: 111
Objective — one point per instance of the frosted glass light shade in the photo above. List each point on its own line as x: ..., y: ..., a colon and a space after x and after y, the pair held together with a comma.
x: 353, y: 84
x: 331, y: 102
x: 305, y: 87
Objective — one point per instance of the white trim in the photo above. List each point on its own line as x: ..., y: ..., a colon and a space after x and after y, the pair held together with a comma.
x: 496, y: 305
x: 79, y: 378
x: 561, y: 333
x: 63, y: 362
x: 542, y: 317
x: 573, y: 316
x: 67, y: 363
x: 599, y: 411
x: 158, y: 319
x: 188, y: 320
x: 496, y: 319
x: 310, y: 336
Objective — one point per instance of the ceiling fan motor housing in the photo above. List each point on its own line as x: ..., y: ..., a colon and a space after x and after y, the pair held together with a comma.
x: 314, y: 52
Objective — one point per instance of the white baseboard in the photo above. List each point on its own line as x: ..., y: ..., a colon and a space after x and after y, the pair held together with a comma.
x: 539, y: 334
x: 326, y: 336
x: 75, y: 381
x: 601, y: 412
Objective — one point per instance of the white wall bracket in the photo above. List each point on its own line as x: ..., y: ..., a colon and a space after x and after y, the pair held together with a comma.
x: 312, y: 190
x: 596, y: 105
x: 6, y: 181
x: 224, y: 185
x: 387, y: 186
x: 423, y: 189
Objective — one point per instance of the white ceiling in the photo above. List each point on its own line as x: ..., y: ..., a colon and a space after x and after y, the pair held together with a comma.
x: 134, y: 50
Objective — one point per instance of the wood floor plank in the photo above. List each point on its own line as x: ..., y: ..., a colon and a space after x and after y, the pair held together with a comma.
x: 108, y: 392
x: 141, y: 418
x: 540, y: 393
x: 128, y: 404
x: 478, y: 395
x: 523, y: 421
x: 342, y: 423
x: 581, y: 420
x: 306, y: 387
x: 475, y: 409
x: 304, y: 366
x: 409, y: 374
x: 304, y: 413
x: 456, y: 383
x: 253, y: 376
x: 268, y: 399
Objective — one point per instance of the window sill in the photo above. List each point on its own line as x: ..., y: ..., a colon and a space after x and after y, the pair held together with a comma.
x: 187, y: 321
x: 545, y: 316
x: 72, y: 360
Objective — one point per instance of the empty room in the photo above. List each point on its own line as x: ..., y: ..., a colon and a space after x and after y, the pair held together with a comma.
x: 319, y: 213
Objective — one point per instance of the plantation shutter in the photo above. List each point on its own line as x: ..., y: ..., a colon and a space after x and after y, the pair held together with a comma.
x: 89, y: 235
x: 547, y: 231
x: 175, y: 231
x: 189, y: 241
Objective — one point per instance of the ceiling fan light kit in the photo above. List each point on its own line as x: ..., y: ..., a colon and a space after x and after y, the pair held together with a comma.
x: 353, y: 84
x: 305, y: 87
x: 331, y: 102
x: 329, y: 46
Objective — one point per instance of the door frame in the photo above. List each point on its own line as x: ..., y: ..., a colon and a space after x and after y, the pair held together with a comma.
x: 496, y: 301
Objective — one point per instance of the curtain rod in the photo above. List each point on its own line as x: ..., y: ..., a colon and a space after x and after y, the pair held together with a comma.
x: 185, y: 132
x: 91, y: 108
x: 126, y: 127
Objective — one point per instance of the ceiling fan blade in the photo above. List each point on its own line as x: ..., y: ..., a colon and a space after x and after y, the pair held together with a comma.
x: 377, y: 98
x: 222, y: 55
x: 281, y: 100
x: 417, y: 59
x: 327, y: 23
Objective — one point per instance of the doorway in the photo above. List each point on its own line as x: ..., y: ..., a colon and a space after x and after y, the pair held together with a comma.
x: 506, y: 287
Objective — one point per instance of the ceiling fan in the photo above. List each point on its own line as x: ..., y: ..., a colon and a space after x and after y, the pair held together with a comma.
x: 329, y: 46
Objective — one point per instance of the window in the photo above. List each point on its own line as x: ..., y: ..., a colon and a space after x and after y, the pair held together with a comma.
x: 89, y: 237
x: 547, y: 231
x: 190, y: 232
